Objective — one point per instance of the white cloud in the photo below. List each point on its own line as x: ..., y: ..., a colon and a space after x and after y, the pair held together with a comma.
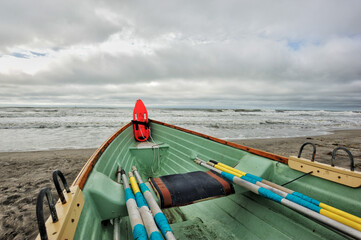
x: 180, y: 51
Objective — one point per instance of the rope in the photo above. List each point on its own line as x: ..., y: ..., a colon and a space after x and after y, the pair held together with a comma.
x: 297, y: 178
x: 156, y: 145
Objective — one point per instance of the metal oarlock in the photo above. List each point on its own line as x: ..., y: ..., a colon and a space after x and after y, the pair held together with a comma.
x: 352, y: 167
x: 314, y: 150
x: 40, y: 211
x: 56, y: 174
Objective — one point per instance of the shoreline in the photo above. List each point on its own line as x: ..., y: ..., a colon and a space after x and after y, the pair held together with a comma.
x: 24, y: 174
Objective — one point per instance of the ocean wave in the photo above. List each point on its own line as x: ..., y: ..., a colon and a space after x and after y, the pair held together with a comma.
x: 247, y: 110
x: 273, y: 122
x: 213, y: 110
x: 22, y: 128
x: 46, y: 110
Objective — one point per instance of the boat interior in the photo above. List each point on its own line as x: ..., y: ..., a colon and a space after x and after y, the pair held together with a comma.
x: 242, y: 215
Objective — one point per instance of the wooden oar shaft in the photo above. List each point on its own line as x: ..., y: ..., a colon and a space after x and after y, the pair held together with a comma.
x: 158, y: 215
x: 270, y: 195
x: 324, y: 206
x: 277, y: 186
x: 136, y: 221
x: 145, y: 213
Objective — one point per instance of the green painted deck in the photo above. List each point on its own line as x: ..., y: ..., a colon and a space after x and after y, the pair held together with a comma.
x: 243, y: 215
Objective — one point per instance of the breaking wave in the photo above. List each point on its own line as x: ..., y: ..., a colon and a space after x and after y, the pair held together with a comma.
x: 24, y: 129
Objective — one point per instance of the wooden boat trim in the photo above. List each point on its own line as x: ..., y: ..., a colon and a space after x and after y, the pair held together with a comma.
x: 68, y: 214
x: 88, y: 167
x: 271, y: 156
x: 336, y: 174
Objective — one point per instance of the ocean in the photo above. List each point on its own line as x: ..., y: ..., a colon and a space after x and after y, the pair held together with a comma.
x: 33, y: 129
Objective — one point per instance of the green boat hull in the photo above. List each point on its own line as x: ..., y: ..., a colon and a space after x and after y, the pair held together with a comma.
x: 243, y: 215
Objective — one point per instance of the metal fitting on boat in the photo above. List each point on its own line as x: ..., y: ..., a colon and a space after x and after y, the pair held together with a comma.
x: 56, y: 174
x: 314, y: 150
x: 352, y: 167
x: 40, y: 211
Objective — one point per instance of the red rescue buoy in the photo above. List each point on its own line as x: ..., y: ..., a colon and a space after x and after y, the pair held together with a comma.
x: 140, y: 122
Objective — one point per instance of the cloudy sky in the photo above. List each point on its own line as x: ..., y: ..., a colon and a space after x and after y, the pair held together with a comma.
x: 181, y: 53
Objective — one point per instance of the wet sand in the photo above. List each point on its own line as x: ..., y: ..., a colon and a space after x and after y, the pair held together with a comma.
x: 24, y: 174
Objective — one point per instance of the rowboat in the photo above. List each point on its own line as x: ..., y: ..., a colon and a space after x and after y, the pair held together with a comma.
x: 174, y: 165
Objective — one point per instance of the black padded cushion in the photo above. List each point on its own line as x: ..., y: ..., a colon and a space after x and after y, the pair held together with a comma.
x: 183, y: 189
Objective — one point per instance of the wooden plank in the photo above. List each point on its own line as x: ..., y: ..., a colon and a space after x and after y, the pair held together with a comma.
x: 336, y: 174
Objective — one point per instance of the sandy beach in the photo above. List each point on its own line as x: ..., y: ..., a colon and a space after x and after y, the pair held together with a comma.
x: 24, y: 174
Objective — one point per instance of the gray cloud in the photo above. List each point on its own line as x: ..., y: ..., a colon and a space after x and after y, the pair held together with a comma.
x: 52, y: 24
x: 182, y: 52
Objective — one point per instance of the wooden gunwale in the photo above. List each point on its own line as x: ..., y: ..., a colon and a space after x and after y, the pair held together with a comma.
x: 88, y: 167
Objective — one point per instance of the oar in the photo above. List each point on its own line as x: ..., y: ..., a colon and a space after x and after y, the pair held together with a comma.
x: 326, y: 210
x: 116, y: 220
x: 136, y: 221
x: 158, y: 215
x: 150, y: 226
x: 273, y: 196
x: 293, y: 198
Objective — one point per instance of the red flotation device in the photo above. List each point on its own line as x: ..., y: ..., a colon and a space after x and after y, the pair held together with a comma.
x: 140, y: 122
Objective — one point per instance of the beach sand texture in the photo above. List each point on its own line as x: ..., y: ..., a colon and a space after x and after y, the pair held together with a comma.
x: 24, y: 174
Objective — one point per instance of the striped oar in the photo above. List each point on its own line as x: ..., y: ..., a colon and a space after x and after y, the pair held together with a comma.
x: 147, y: 217
x: 116, y: 220
x: 257, y: 180
x: 136, y: 221
x: 294, y: 206
x: 324, y: 209
x: 158, y: 215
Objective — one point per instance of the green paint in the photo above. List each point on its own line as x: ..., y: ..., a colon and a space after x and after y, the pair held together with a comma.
x: 243, y: 215
x: 150, y: 158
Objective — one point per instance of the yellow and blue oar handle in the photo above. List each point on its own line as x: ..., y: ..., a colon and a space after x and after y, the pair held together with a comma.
x: 138, y: 228
x: 296, y: 197
x: 153, y: 232
x: 329, y: 210
x: 138, y: 195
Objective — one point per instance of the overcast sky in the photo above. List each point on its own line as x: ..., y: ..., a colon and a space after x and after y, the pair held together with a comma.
x: 181, y: 53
